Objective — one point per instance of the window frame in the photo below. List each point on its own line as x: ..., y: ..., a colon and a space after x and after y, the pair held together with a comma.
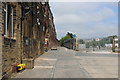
x: 8, y: 30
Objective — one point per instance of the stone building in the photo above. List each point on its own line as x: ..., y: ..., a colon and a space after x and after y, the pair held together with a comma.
x: 11, y: 37
x: 23, y: 30
x: 32, y: 27
x: 1, y: 26
x: 50, y: 32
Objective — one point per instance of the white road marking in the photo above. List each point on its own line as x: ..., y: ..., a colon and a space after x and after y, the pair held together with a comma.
x: 43, y: 66
x: 45, y: 59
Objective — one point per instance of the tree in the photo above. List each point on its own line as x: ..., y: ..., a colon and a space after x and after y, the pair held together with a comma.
x: 81, y: 41
x: 102, y: 42
x: 70, y: 34
x: 66, y: 37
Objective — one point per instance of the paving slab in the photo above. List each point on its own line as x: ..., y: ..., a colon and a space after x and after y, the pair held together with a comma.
x: 70, y: 73
x: 104, y: 76
x: 36, y: 73
x: 45, y: 62
x: 102, y: 69
x: 99, y: 65
x: 98, y: 62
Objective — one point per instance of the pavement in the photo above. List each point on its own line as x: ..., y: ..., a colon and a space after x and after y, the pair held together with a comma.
x: 103, y: 52
x: 99, y: 65
x: 66, y: 63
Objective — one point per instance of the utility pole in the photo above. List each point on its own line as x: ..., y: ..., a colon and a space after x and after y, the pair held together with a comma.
x: 113, y: 43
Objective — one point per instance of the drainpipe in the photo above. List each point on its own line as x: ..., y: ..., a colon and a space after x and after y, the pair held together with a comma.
x: 21, y: 31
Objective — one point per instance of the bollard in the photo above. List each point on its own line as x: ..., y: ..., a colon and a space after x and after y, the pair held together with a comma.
x: 20, y: 67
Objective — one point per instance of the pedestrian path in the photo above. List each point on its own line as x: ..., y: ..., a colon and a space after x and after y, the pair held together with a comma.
x: 59, y: 63
x: 90, y: 54
x: 99, y: 65
x: 65, y: 63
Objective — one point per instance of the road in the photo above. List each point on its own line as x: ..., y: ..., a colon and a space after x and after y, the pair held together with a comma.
x: 65, y: 63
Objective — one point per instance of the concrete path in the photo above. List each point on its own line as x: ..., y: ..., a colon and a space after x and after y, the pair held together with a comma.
x: 99, y: 65
x: 65, y: 63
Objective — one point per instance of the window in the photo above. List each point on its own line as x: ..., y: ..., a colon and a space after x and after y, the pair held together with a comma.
x: 5, y: 19
x: 38, y: 21
x: 8, y: 21
x: 43, y: 28
x: 43, y: 2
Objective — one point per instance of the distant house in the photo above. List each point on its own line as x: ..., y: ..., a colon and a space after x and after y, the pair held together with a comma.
x: 108, y: 45
x: 97, y: 39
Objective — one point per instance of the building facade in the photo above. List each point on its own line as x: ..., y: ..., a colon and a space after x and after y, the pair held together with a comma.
x: 50, y: 32
x: 11, y: 44
x: 70, y: 43
x: 23, y: 30
x: 1, y: 26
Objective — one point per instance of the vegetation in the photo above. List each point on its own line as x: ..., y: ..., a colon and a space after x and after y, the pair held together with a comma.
x: 101, y: 43
x: 66, y: 37
x: 93, y: 43
x: 81, y: 41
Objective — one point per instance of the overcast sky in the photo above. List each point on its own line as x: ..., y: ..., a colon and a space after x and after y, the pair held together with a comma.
x: 86, y: 19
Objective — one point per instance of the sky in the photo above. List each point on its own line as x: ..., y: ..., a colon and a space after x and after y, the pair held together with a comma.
x: 85, y: 19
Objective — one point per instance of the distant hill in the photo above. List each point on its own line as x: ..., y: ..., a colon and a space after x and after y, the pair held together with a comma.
x: 94, y: 43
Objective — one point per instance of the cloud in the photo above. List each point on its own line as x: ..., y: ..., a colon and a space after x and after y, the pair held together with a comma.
x: 76, y: 18
x: 85, y: 19
x: 84, y: 0
x: 62, y: 8
x: 98, y: 30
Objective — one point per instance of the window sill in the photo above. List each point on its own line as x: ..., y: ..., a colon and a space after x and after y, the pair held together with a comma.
x: 9, y: 39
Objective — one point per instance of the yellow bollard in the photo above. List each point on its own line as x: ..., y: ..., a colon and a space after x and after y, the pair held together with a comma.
x: 20, y: 67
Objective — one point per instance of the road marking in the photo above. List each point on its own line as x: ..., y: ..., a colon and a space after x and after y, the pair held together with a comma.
x: 46, y: 59
x: 43, y: 66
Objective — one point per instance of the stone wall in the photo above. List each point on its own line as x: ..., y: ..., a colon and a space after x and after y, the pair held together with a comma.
x: 29, y: 29
x: 11, y: 47
x: 50, y: 32
x: 32, y: 33
x: 1, y: 25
